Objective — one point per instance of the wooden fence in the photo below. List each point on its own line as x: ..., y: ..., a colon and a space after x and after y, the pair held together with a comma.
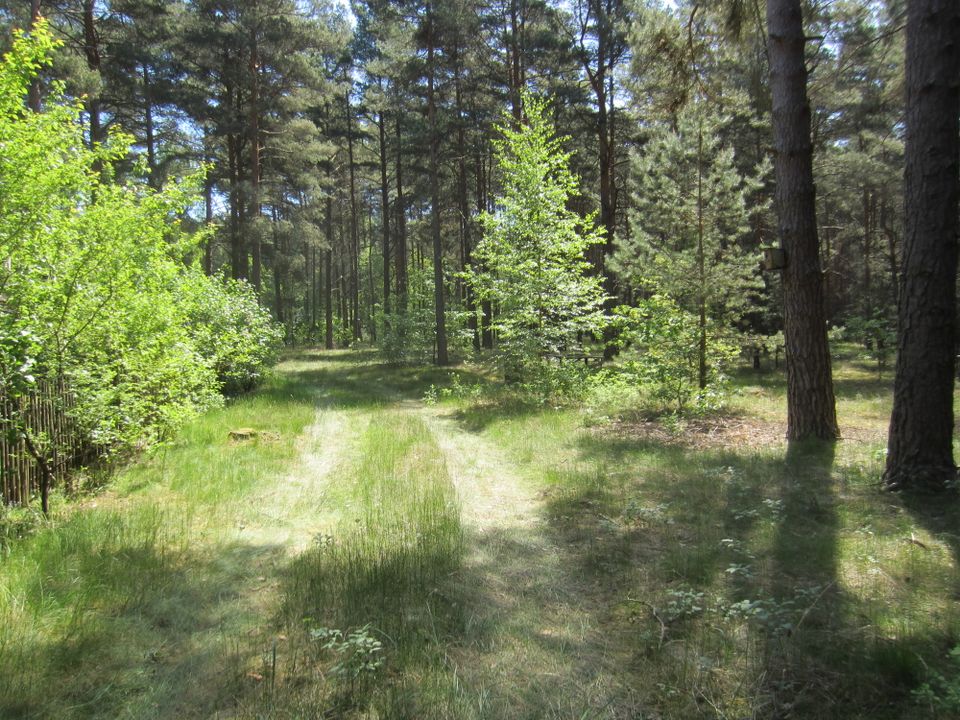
x: 46, y: 411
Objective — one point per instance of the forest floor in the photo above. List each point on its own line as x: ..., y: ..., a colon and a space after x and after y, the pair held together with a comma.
x: 420, y: 543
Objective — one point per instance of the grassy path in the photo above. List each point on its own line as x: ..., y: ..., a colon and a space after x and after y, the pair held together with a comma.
x: 375, y: 556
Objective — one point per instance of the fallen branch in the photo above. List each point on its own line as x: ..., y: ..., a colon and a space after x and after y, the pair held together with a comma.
x: 653, y: 611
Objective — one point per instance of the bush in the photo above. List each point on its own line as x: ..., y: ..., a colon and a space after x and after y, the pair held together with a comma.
x: 666, y: 365
x: 97, y: 284
x: 233, y: 333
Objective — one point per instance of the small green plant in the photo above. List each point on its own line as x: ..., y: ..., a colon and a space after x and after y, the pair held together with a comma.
x: 776, y: 617
x: 684, y: 603
x: 941, y: 692
x: 638, y: 512
x: 357, y: 654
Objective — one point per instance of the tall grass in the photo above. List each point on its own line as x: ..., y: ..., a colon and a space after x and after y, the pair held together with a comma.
x: 381, y: 572
x: 106, y: 611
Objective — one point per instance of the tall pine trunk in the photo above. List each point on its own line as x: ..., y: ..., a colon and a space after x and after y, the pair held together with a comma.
x: 440, y: 311
x: 384, y: 213
x: 811, y: 408
x: 91, y: 49
x: 400, y: 245
x: 920, y: 446
x: 354, y: 229
x: 254, y: 130
x: 328, y: 278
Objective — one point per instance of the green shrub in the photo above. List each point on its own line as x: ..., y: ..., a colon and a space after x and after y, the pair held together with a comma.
x: 233, y: 333
x: 97, y: 282
x: 666, y: 365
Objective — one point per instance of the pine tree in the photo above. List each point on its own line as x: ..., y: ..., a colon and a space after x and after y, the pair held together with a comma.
x: 689, y: 219
x: 811, y: 407
x: 920, y: 453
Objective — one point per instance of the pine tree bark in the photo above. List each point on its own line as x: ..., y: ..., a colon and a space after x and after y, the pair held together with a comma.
x: 148, y: 127
x: 254, y: 130
x: 811, y: 407
x: 442, y: 357
x: 400, y: 245
x: 328, y: 278
x: 920, y: 445
x: 384, y: 213
x: 91, y: 49
x: 354, y: 227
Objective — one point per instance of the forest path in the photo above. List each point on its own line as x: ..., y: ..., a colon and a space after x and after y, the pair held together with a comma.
x: 289, y: 513
x: 533, y: 642
x: 539, y: 649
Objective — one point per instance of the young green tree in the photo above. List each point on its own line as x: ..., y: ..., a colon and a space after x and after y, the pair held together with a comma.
x: 690, y: 218
x: 531, y: 262
x: 96, y: 287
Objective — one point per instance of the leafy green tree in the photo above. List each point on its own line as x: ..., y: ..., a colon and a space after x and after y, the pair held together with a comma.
x: 532, y: 259
x: 96, y: 283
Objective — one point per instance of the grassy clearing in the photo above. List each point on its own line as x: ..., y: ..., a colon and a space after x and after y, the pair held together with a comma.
x: 126, y: 605
x: 484, y: 557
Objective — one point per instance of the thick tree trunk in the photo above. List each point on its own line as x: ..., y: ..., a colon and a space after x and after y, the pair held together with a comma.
x: 920, y: 447
x: 438, y: 295
x: 811, y: 408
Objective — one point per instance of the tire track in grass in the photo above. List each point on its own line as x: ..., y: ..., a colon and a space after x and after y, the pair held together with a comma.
x: 276, y: 522
x: 535, y: 644
x: 289, y: 512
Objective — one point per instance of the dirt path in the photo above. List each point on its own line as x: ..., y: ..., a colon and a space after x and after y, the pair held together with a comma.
x: 540, y: 650
x: 290, y: 512
x: 493, y: 495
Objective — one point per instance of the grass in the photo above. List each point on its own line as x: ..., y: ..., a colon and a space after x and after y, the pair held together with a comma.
x: 113, y: 608
x: 749, y: 581
x: 486, y: 557
x: 381, y: 573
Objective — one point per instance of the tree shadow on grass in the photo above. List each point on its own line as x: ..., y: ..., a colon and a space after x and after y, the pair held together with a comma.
x: 123, y: 626
x: 760, y: 532
x: 805, y: 603
x: 347, y: 384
